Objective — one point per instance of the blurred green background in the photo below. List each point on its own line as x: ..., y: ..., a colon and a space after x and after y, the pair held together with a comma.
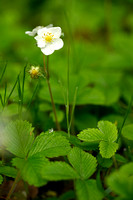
x: 99, y: 34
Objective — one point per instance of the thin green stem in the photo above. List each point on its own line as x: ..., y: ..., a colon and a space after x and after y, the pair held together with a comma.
x: 67, y: 105
x: 73, y: 107
x: 46, y: 70
x: 115, y: 162
x: 126, y: 115
x: 13, y: 186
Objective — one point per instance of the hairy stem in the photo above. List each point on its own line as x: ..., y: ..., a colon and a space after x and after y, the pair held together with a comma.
x: 13, y: 186
x: 46, y: 70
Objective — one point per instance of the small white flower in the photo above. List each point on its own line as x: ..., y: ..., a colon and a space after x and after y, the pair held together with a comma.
x: 48, y: 39
x: 34, y: 31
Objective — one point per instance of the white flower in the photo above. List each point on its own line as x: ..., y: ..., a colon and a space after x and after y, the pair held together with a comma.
x: 34, y: 31
x: 48, y: 39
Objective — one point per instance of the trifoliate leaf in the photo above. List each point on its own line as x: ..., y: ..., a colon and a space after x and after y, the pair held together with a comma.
x: 108, y: 129
x: 91, y: 135
x: 55, y: 171
x: 121, y: 182
x: 30, y: 169
x: 87, y: 190
x: 84, y: 163
x: 8, y: 171
x: 1, y: 179
x: 50, y: 145
x: 18, y: 138
x: 107, y: 149
x: 105, y: 135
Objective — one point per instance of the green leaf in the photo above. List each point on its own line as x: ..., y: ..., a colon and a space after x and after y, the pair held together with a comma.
x: 120, y: 158
x: 127, y: 133
x: 8, y: 171
x: 105, y: 136
x: 30, y: 169
x: 18, y: 138
x: 55, y: 171
x: 50, y: 144
x: 107, y: 149
x: 1, y: 179
x: 91, y: 135
x: 104, y: 162
x: 121, y: 181
x: 84, y: 163
x: 87, y: 190
x: 108, y: 129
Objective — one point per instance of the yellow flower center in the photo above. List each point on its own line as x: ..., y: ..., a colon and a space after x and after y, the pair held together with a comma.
x: 34, y: 72
x: 48, y: 37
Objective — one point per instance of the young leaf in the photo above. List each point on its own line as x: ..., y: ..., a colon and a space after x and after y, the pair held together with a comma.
x: 30, y: 169
x: 107, y: 149
x: 18, y: 138
x: 84, y: 163
x: 87, y: 189
x: 8, y: 171
x: 91, y: 135
x: 50, y: 145
x: 55, y: 171
x: 106, y: 135
x: 108, y: 129
x: 1, y: 179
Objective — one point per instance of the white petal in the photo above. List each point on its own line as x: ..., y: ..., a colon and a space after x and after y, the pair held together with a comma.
x: 30, y: 33
x: 41, y: 31
x: 49, y: 26
x: 34, y: 31
x: 41, y: 43
x: 56, y: 31
x: 57, y: 44
x: 47, y: 50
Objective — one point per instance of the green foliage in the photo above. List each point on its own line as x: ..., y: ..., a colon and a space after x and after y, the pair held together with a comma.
x: 106, y: 136
x: 104, y: 162
x: 30, y: 169
x: 84, y: 163
x: 50, y: 144
x: 8, y: 171
x: 59, y: 171
x: 87, y: 189
x: 18, y: 137
x: 121, y: 182
x: 127, y: 133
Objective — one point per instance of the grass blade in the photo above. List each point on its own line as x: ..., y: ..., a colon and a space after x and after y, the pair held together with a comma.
x: 34, y: 93
x: 3, y: 72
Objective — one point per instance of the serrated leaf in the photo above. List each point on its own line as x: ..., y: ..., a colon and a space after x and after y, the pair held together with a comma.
x: 55, y: 171
x: 8, y: 171
x: 50, y: 145
x: 108, y: 129
x: 30, y: 169
x: 1, y: 179
x: 87, y: 190
x: 121, y: 181
x: 84, y: 163
x: 91, y: 135
x: 18, y: 138
x: 107, y: 149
